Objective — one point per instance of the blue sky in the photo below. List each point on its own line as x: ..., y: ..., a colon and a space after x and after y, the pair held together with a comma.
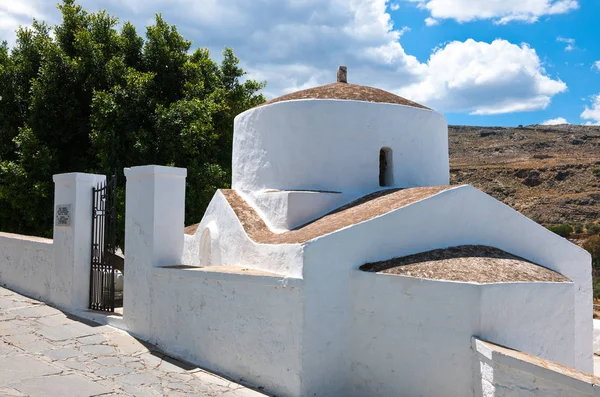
x: 492, y: 62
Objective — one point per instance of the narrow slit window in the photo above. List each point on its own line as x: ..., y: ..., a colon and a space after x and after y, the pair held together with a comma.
x: 386, y: 167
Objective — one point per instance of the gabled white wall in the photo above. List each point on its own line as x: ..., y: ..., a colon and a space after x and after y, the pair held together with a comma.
x: 323, y: 144
x: 236, y: 248
x: 462, y: 215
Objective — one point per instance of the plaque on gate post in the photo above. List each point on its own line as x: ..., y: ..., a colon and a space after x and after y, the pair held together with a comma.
x: 63, y: 215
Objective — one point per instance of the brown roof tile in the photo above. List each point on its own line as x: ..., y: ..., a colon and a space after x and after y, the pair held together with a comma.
x: 360, y: 210
x: 347, y: 91
x: 467, y: 263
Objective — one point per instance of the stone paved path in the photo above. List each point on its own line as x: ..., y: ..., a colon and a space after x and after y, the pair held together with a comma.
x: 43, y: 352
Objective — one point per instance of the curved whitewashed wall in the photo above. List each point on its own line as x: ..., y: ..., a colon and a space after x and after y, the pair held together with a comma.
x: 334, y: 145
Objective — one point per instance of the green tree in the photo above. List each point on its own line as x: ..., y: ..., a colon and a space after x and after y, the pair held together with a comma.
x: 94, y: 98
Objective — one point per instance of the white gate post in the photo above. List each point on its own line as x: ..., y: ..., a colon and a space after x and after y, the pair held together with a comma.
x: 154, y: 222
x: 70, y: 287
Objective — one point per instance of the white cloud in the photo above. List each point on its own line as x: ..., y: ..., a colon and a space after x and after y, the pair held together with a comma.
x: 596, y: 65
x: 556, y: 121
x: 21, y: 12
x: 570, y: 43
x: 394, y: 6
x: 592, y: 113
x: 431, y: 21
x: 501, y: 11
x: 483, y: 78
x: 295, y: 44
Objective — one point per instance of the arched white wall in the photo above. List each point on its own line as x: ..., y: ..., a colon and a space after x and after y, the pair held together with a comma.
x: 210, y: 251
x: 334, y: 145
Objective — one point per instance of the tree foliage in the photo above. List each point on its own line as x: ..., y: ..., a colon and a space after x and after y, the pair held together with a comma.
x: 96, y: 97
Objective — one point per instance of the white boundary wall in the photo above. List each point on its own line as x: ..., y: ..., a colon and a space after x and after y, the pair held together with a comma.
x: 247, y: 327
x: 56, y: 271
x: 501, y: 372
x: 27, y: 265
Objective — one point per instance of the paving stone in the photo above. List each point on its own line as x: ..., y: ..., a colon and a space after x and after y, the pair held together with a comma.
x: 63, y: 353
x: 242, y: 392
x: 134, y: 364
x: 180, y: 386
x: 97, y: 339
x: 7, y: 303
x: 21, y: 339
x: 45, y: 353
x: 144, y: 391
x: 171, y: 365
x: 126, y: 344
x: 113, y: 371
x: 108, y: 361
x: 7, y: 349
x: 19, y: 368
x: 10, y: 392
x: 98, y: 350
x: 67, y: 385
x: 69, y: 331
x: 52, y: 321
x: 151, y: 360
x: 36, y: 346
x: 138, y: 379
x: 211, y: 379
x: 36, y: 311
x: 75, y: 365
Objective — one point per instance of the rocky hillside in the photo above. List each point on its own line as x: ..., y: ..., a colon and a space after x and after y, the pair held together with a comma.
x: 549, y: 173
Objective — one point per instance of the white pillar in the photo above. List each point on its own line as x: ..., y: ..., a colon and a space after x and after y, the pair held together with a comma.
x: 70, y: 286
x: 154, y: 222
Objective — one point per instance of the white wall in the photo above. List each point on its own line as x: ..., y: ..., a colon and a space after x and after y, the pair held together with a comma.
x: 27, y: 265
x: 56, y: 271
x: 410, y: 337
x: 596, y: 336
x: 536, y: 318
x: 462, y: 215
x: 499, y: 372
x: 244, y: 326
x: 236, y: 248
x: 285, y: 210
x: 334, y: 145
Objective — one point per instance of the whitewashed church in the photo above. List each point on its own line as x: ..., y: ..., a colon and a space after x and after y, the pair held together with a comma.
x: 344, y: 189
x: 341, y: 263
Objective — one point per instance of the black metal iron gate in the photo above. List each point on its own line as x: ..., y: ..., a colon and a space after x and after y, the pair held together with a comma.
x: 104, y: 222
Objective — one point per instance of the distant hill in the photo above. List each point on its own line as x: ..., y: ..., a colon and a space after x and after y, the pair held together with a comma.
x: 549, y: 173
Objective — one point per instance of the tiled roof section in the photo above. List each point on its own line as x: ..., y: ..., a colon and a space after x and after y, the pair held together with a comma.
x: 191, y: 229
x: 360, y: 210
x: 352, y: 92
x: 467, y: 263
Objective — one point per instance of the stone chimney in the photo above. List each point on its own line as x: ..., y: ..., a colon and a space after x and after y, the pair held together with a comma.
x: 342, y: 74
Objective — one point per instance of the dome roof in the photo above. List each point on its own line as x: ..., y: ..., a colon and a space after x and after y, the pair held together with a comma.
x: 342, y: 90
